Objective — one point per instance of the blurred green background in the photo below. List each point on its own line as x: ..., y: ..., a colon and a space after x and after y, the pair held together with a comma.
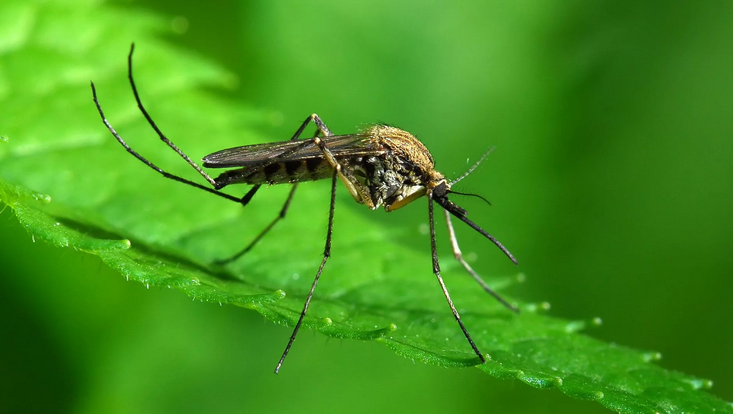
x: 611, y: 182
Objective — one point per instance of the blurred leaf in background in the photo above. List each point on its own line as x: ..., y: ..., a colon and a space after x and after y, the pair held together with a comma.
x: 611, y: 183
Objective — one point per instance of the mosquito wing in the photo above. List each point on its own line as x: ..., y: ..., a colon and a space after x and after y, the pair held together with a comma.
x: 287, y: 151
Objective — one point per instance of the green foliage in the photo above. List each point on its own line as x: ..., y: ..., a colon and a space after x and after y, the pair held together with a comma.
x: 91, y: 196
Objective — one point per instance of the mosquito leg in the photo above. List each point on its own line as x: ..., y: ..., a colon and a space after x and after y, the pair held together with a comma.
x: 326, y: 255
x: 262, y: 234
x: 155, y: 127
x: 436, y: 271
x: 358, y: 194
x: 244, y: 200
x: 476, y: 277
x: 321, y: 129
x: 321, y: 126
x: 117, y: 136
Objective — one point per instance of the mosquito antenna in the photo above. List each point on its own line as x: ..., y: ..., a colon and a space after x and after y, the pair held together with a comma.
x: 470, y: 195
x: 473, y: 167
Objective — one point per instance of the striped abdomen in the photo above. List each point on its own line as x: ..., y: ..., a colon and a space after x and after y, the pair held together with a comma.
x: 278, y: 173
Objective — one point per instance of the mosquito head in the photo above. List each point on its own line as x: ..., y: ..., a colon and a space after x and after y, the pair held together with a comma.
x: 443, y: 188
x: 440, y: 195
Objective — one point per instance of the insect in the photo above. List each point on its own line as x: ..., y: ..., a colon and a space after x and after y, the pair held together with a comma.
x: 380, y: 166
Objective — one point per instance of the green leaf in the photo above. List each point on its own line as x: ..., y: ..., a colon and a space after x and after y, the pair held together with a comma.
x: 88, y: 194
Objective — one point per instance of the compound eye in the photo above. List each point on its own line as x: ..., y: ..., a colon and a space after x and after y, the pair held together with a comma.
x: 440, y: 190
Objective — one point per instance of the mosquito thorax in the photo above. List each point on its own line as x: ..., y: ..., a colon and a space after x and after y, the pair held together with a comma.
x: 400, y: 170
x: 439, y: 193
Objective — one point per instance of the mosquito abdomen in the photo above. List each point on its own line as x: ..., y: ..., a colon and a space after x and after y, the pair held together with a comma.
x: 278, y: 173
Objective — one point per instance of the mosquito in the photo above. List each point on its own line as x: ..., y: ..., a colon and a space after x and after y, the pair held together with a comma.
x: 379, y: 166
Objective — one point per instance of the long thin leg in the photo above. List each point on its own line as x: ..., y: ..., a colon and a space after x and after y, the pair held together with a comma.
x: 436, y: 271
x: 117, y: 136
x: 326, y: 255
x: 476, y: 277
x: 262, y: 234
x: 155, y: 127
x: 244, y: 200
x: 327, y: 249
x: 321, y: 129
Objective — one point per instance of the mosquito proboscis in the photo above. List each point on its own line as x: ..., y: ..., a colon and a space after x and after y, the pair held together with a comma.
x: 379, y: 166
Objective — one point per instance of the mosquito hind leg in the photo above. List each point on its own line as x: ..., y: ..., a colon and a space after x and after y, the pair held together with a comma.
x: 152, y: 123
x: 244, y: 200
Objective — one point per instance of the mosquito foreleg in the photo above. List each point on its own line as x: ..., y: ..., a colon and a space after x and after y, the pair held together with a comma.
x: 436, y: 271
